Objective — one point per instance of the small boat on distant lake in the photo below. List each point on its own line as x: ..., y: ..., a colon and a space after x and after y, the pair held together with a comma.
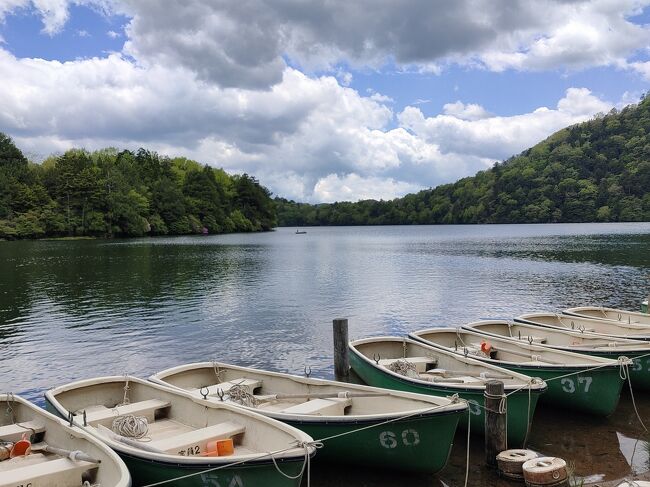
x: 186, y: 441
x: 575, y: 381
x: 644, y: 306
x: 38, y: 449
x: 418, y: 438
x: 604, y: 328
x: 574, y: 341
x: 407, y: 365
x: 300, y: 232
x: 609, y: 314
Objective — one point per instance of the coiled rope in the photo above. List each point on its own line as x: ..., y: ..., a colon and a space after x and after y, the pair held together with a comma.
x: 131, y: 426
x: 242, y: 395
x: 402, y: 367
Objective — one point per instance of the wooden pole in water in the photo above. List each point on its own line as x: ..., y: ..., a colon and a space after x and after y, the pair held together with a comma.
x: 496, y: 440
x: 341, y: 357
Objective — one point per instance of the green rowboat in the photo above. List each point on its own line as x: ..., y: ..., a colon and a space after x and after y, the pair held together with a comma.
x: 603, y: 328
x: 179, y: 443
x: 609, y: 314
x: 575, y: 381
x: 644, y: 306
x: 418, y: 436
x: 574, y: 341
x: 439, y: 373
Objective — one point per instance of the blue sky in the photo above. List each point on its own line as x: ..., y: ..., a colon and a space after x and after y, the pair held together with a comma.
x: 322, y: 101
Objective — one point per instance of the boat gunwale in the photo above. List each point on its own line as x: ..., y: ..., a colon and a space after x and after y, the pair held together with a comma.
x: 124, y: 449
x: 436, y: 408
x: 525, y: 318
x: 537, y: 387
x: 626, y: 342
x: 575, y: 311
x: 600, y: 362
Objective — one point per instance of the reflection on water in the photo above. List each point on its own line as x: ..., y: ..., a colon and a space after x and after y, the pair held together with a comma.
x: 74, y: 309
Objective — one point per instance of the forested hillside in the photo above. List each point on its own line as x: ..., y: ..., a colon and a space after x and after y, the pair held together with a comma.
x: 109, y: 193
x: 595, y: 171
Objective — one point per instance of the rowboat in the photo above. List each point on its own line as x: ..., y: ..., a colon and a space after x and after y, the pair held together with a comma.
x: 166, y: 436
x: 406, y: 365
x: 417, y: 438
x: 37, y: 449
x: 603, y: 328
x: 644, y: 306
x: 575, y: 381
x: 610, y: 314
x: 574, y: 341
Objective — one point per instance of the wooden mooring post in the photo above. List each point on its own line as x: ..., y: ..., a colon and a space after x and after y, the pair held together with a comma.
x: 341, y: 354
x: 496, y: 440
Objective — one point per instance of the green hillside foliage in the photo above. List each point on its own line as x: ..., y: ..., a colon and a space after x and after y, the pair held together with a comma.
x: 597, y: 171
x: 124, y: 194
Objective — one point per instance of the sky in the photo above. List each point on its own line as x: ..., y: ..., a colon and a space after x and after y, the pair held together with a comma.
x: 321, y: 100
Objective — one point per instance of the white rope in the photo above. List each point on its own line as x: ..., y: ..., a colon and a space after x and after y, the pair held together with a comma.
x: 131, y: 426
x: 625, y: 373
x: 402, y: 367
x: 469, y: 428
x: 241, y: 394
x: 126, y: 399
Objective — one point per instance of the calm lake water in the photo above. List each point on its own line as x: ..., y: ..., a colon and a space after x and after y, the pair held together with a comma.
x: 76, y: 309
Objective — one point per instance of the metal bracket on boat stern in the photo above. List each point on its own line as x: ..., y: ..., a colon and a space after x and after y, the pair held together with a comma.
x: 581, y: 328
x: 71, y: 416
x: 376, y: 357
x: 307, y: 371
x: 465, y: 352
x: 206, y: 393
x: 530, y: 340
x: 220, y: 393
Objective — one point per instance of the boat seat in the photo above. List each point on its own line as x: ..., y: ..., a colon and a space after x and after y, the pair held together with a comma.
x: 251, y: 384
x: 55, y: 472
x: 195, y: 442
x: 14, y: 432
x: 321, y: 407
x: 419, y: 362
x: 97, y: 415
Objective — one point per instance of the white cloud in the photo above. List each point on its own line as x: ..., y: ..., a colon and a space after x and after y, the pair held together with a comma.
x: 244, y: 44
x: 113, y: 35
x: 83, y: 33
x: 464, y: 111
x: 354, y: 187
x: 497, y: 138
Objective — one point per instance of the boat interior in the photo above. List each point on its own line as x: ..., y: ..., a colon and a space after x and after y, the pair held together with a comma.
x: 277, y: 393
x: 503, y: 350
x: 586, y: 325
x: 27, y: 441
x: 629, y: 317
x: 556, y: 338
x: 416, y: 361
x: 175, y: 425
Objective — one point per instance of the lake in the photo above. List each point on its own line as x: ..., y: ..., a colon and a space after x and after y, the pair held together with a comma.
x: 71, y: 309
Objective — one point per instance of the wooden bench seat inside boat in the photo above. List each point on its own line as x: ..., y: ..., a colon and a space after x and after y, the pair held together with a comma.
x: 458, y: 379
x: 14, y: 432
x: 197, y: 438
x: 213, y: 389
x: 39, y: 469
x: 97, y: 415
x: 321, y: 407
x: 420, y: 363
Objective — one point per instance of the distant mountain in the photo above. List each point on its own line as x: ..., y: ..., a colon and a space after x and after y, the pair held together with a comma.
x: 596, y: 171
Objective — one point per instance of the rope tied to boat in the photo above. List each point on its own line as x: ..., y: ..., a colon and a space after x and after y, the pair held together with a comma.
x: 624, y: 373
x: 131, y: 426
x: 241, y: 394
x: 217, y: 370
x: 125, y: 399
x: 10, y: 410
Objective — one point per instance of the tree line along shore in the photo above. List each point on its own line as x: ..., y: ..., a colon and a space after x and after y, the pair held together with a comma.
x: 596, y: 171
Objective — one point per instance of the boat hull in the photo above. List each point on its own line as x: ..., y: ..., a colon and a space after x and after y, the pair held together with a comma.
x: 521, y: 405
x: 595, y: 392
x: 644, y: 307
x: 145, y: 472
x: 420, y: 443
